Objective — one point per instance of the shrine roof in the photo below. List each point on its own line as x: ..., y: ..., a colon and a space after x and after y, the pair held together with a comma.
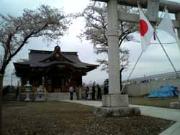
x: 42, y: 59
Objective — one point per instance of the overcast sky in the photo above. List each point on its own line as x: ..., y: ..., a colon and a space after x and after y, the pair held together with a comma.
x: 153, y: 61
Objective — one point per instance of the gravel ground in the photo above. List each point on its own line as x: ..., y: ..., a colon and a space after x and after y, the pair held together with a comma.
x: 59, y: 118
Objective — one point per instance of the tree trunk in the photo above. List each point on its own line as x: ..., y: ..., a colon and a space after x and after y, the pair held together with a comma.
x: 2, y: 72
x: 1, y: 86
x: 121, y: 78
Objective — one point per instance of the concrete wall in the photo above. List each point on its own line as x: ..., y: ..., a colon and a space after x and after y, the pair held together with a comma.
x: 56, y: 96
x: 140, y: 89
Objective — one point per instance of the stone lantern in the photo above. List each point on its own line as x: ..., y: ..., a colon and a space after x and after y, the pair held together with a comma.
x: 28, y: 89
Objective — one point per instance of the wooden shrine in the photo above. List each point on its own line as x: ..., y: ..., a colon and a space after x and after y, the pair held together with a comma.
x: 55, y: 70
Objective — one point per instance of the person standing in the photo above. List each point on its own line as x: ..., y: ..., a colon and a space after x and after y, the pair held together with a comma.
x: 71, y: 91
x: 77, y: 92
x: 80, y: 92
x: 99, y: 95
x: 86, y: 92
x: 106, y: 83
x: 93, y: 91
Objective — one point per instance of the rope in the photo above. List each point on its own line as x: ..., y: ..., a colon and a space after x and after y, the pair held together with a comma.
x: 167, y: 55
x: 132, y: 70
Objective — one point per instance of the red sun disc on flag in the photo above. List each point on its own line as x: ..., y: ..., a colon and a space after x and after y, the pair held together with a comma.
x: 143, y: 27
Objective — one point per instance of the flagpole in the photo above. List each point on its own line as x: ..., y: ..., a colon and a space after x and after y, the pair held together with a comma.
x: 166, y: 55
x: 132, y: 70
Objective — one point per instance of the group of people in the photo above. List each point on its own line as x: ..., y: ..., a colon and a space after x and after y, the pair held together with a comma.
x: 91, y: 92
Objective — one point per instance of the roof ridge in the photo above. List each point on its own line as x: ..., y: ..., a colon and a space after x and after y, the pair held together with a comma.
x: 46, y: 51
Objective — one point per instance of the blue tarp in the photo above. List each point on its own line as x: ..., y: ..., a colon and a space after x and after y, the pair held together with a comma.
x: 164, y: 91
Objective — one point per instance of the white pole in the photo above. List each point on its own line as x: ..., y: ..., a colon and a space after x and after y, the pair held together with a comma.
x: 113, y: 49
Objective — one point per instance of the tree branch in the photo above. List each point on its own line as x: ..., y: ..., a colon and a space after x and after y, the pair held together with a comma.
x: 24, y: 42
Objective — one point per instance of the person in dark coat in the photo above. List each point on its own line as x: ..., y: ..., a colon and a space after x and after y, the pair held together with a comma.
x: 99, y: 95
x: 106, y: 83
x: 86, y: 92
x: 93, y: 91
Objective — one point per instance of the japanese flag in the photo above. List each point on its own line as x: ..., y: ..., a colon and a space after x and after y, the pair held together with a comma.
x: 146, y: 30
x: 167, y: 26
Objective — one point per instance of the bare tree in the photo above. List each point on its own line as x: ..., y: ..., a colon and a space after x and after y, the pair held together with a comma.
x: 15, y: 32
x: 96, y: 31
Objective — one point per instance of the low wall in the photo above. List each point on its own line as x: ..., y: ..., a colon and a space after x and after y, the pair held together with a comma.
x: 56, y: 96
x: 53, y: 96
x: 140, y: 89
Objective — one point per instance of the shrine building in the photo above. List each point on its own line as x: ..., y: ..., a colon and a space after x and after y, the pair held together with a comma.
x: 55, y: 70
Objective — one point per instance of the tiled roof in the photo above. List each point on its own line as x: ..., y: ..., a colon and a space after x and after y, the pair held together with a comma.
x: 38, y: 58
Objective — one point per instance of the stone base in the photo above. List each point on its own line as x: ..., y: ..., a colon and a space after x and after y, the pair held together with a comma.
x: 27, y: 99
x: 175, y: 105
x: 115, y: 100
x: 116, y: 105
x: 117, y: 111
